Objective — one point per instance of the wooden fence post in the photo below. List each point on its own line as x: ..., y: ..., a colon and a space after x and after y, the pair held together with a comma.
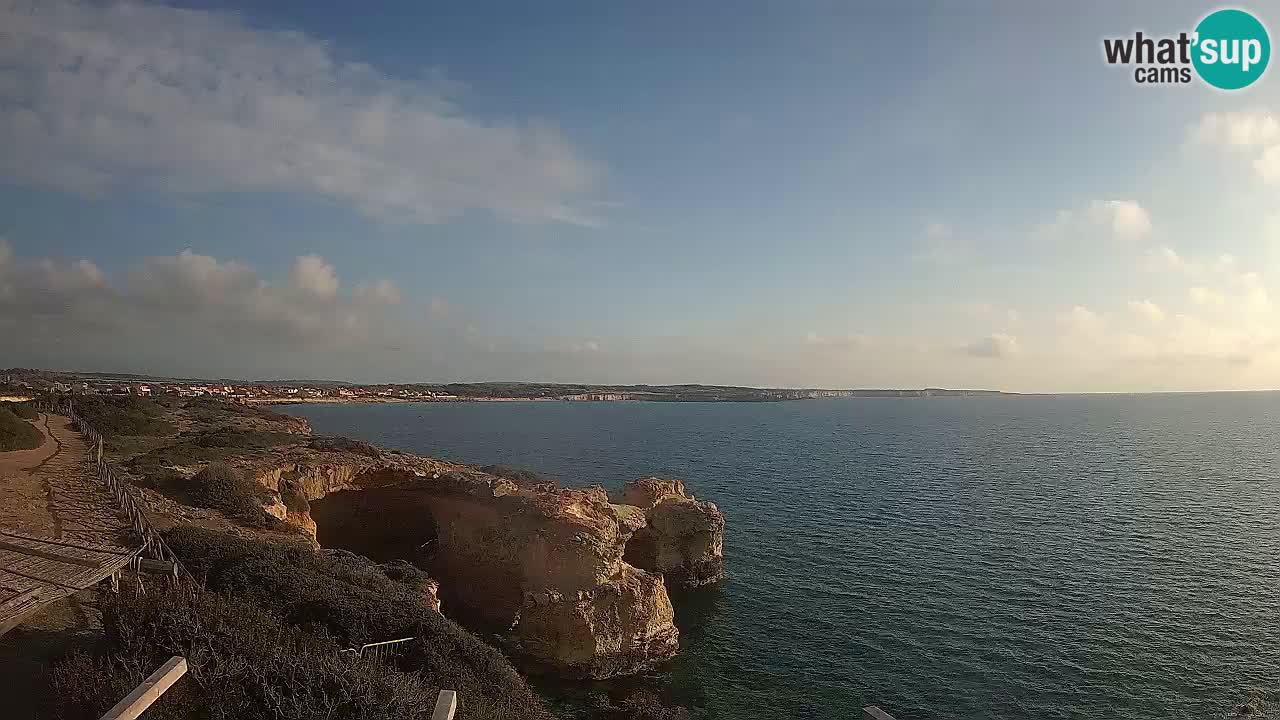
x: 446, y: 705
x: 136, y: 702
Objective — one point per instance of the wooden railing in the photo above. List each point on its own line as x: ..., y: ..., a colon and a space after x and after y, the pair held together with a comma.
x: 152, y: 543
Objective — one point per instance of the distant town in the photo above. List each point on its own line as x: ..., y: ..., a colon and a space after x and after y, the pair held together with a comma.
x: 30, y: 382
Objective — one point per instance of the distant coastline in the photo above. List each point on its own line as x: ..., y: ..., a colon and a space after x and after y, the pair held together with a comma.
x: 22, y: 381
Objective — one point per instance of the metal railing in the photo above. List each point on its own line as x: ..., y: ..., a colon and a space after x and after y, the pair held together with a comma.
x: 379, y: 650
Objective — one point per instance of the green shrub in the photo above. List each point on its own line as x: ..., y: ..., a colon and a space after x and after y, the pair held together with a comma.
x: 200, y: 448
x: 219, y: 486
x: 242, y: 439
x: 354, y: 601
x: 24, y: 410
x: 18, y: 434
x: 243, y: 664
x: 207, y: 410
x: 122, y: 415
x: 341, y: 444
x: 293, y: 498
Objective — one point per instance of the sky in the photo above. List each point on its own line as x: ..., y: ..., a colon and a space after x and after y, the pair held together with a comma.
x: 807, y: 194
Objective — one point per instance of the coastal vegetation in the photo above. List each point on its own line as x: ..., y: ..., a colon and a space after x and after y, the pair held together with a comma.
x: 220, y: 487
x: 341, y: 444
x: 124, y: 415
x: 197, y: 448
x: 24, y: 410
x: 265, y: 640
x: 265, y: 637
x: 16, y: 433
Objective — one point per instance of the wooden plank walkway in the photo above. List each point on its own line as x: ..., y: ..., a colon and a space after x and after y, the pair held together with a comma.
x: 35, y: 571
x: 61, y: 531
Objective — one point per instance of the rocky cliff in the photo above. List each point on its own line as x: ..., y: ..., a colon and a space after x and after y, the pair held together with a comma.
x: 544, y: 565
x: 681, y: 538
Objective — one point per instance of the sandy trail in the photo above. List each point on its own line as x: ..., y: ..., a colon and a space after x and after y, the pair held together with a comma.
x: 51, y: 491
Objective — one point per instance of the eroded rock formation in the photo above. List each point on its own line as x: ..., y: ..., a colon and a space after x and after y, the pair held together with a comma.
x: 682, y: 538
x: 544, y: 564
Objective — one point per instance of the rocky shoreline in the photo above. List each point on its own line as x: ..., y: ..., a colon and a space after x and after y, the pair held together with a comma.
x: 574, y: 582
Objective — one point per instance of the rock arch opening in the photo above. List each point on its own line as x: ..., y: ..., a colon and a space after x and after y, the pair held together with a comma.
x: 383, y: 524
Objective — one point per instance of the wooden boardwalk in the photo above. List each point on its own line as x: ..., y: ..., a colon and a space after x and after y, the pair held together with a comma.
x: 35, y: 571
x: 60, y: 529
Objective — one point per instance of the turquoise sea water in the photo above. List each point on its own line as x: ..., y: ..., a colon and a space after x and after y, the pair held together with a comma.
x: 1008, y: 557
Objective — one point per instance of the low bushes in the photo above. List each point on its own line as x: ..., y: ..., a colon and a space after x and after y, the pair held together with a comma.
x: 341, y: 444
x: 206, y: 410
x: 24, y: 410
x: 219, y: 486
x: 18, y: 434
x: 123, y: 415
x: 351, y: 601
x: 242, y: 439
x: 194, y: 449
x: 244, y: 663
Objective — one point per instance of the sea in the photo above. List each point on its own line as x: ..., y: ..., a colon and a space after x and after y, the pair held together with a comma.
x: 1078, y: 556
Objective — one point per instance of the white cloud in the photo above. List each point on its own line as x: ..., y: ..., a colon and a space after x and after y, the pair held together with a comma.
x: 1081, y: 319
x: 381, y: 292
x: 1237, y: 129
x: 96, y: 98
x: 1206, y: 297
x: 998, y: 345
x: 313, y: 275
x: 1115, y: 219
x: 1267, y: 164
x: 941, y: 246
x: 849, y: 341
x: 1146, y: 310
x: 1166, y: 258
x: 187, y: 305
x: 1253, y: 132
x: 1126, y: 219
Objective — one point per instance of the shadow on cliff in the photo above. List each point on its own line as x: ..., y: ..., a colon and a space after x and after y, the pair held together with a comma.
x: 382, y: 524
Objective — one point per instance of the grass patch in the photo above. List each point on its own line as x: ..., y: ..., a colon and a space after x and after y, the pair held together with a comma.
x: 18, y: 434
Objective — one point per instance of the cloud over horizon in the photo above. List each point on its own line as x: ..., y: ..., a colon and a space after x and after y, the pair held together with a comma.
x: 95, y: 99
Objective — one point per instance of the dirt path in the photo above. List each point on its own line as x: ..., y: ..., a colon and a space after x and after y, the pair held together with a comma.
x: 23, y: 497
x: 51, y: 491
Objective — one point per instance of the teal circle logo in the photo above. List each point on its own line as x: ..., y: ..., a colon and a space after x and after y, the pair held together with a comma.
x: 1231, y: 49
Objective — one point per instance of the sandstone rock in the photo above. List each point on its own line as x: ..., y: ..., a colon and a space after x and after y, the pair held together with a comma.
x: 543, y: 564
x: 617, y: 628
x: 683, y: 538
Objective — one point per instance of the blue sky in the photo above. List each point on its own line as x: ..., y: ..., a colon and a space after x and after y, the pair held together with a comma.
x: 833, y: 194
